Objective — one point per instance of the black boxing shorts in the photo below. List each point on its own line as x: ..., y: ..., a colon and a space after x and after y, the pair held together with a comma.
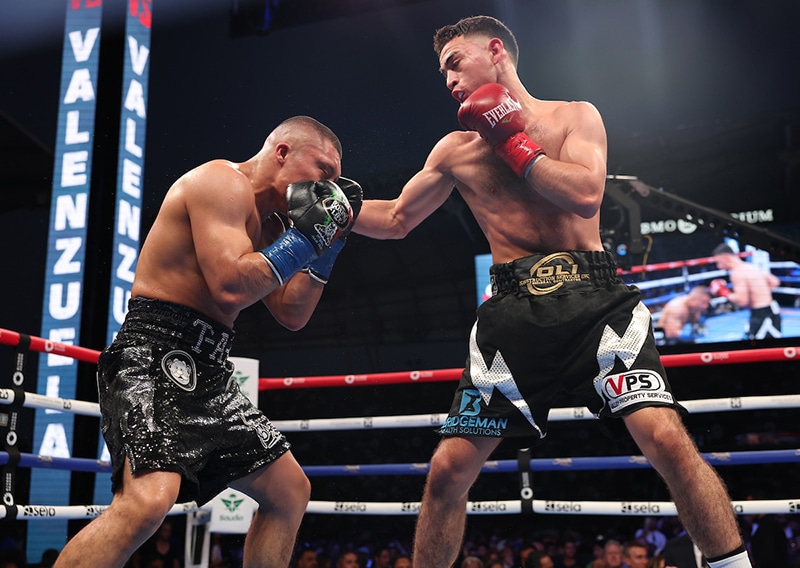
x: 169, y: 403
x: 558, y: 326
x: 765, y: 322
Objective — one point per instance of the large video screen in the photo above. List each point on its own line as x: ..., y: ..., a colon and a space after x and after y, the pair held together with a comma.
x: 696, y: 297
x: 738, y: 294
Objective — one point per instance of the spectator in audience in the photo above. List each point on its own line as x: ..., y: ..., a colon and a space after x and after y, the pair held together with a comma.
x: 681, y: 551
x: 652, y: 535
x: 769, y: 547
x: 634, y: 554
x: 612, y: 554
x: 307, y: 558
x: 472, y: 562
x: 381, y: 558
x: 161, y: 546
x: 569, y: 556
x: 538, y: 559
x: 348, y: 559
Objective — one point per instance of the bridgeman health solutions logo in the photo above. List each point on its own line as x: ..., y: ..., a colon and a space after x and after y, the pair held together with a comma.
x: 470, y: 403
x: 469, y: 421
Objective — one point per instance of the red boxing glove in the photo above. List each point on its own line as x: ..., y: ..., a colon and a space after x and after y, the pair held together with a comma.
x: 497, y: 116
x: 718, y: 287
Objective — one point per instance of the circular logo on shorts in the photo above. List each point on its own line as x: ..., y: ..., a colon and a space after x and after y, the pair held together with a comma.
x: 551, y: 273
x: 179, y: 366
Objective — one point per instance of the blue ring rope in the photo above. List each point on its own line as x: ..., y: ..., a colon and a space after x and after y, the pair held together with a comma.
x: 501, y: 466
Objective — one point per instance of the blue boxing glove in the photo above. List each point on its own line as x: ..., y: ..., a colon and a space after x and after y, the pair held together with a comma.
x: 319, y: 212
x: 320, y: 268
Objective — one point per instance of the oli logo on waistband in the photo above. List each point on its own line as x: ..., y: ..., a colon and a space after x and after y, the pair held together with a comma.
x: 179, y: 366
x: 551, y: 272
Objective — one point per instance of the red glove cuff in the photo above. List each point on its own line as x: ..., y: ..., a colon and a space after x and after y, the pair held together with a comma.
x: 719, y: 288
x: 519, y: 152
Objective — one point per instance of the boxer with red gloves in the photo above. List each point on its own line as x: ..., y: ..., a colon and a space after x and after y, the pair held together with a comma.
x: 497, y: 116
x: 719, y: 288
x: 750, y: 288
x: 559, y: 320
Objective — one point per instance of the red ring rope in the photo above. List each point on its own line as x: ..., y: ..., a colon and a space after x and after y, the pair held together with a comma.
x: 763, y: 355
x: 42, y: 345
x: 702, y: 261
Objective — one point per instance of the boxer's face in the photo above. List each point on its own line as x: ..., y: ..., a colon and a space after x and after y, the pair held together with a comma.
x: 700, y: 303
x: 724, y: 261
x: 316, y: 160
x: 466, y: 64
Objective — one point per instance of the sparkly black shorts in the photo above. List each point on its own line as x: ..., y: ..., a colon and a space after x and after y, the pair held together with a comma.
x: 563, y: 328
x: 168, y: 402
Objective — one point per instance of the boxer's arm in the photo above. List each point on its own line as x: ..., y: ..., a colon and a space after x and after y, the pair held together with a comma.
x: 575, y: 179
x: 219, y: 202
x: 772, y: 280
x: 293, y: 304
x: 423, y: 194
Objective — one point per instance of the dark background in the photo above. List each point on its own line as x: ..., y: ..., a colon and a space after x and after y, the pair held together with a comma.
x: 700, y: 98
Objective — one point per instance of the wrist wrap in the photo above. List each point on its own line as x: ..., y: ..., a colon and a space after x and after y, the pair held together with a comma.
x: 320, y: 268
x: 289, y: 254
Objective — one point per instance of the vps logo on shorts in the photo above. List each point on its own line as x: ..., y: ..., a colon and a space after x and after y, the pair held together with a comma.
x: 551, y: 273
x: 470, y: 403
x: 631, y: 387
x: 179, y: 367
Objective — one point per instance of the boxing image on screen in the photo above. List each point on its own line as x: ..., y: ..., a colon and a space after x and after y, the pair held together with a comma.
x: 701, y: 288
x: 730, y: 294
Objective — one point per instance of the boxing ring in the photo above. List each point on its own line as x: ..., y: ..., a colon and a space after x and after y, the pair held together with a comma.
x: 724, y: 322
x: 522, y: 467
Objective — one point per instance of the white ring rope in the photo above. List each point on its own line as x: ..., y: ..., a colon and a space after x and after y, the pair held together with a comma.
x: 556, y: 414
x: 772, y: 402
x: 34, y: 512
x: 619, y: 508
x: 508, y: 507
x: 34, y: 400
